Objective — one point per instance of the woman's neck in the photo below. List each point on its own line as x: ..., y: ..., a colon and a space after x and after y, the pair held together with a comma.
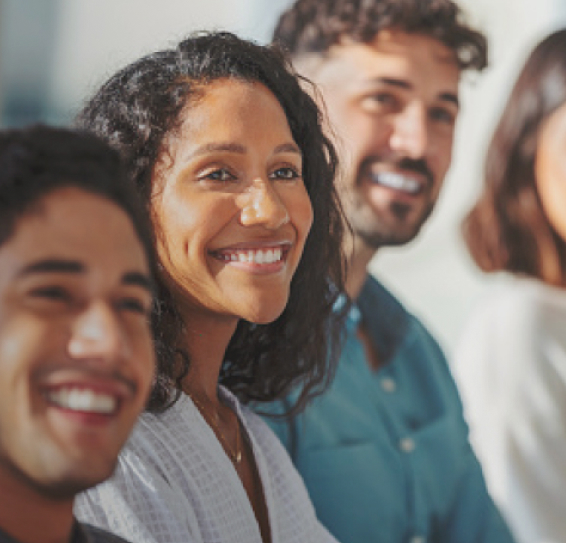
x: 206, y: 341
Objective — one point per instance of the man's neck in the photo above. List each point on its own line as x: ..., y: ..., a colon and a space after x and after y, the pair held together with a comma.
x: 359, y: 258
x: 29, y: 517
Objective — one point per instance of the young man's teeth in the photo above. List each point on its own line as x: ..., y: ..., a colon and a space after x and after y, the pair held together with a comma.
x: 396, y: 181
x: 85, y: 400
x: 257, y: 257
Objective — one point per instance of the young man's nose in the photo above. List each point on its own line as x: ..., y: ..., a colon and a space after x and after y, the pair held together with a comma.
x: 97, y: 334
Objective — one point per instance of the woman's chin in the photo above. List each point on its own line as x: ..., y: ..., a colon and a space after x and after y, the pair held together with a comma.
x: 264, y: 313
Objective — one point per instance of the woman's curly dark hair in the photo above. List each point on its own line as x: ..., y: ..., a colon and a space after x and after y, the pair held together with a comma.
x: 313, y: 26
x: 135, y: 110
x: 507, y: 228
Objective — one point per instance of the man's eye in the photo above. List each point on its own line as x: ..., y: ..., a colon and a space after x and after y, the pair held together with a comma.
x: 443, y: 115
x: 54, y: 293
x: 286, y: 173
x: 134, y: 305
x: 380, y: 100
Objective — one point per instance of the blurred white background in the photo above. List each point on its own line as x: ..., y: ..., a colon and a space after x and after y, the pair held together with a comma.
x: 54, y: 53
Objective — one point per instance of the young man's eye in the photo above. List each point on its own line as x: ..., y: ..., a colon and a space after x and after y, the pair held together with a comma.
x: 286, y: 173
x: 134, y: 305
x: 53, y: 293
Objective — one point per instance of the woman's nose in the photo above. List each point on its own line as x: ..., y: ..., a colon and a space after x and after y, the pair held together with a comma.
x: 263, y: 206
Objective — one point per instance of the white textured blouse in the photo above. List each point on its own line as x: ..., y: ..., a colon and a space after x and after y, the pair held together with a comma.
x: 510, y: 366
x: 175, y: 484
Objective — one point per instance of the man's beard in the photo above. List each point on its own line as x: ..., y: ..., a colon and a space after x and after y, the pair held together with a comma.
x: 381, y: 235
x: 376, y: 231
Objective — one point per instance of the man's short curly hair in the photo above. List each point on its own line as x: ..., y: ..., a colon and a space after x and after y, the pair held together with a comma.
x: 313, y: 26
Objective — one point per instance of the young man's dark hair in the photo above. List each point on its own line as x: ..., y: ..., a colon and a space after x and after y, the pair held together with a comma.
x: 76, y: 351
x: 39, y: 159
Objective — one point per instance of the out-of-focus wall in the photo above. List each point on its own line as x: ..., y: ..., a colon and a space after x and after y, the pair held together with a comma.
x: 97, y: 38
x: 54, y: 53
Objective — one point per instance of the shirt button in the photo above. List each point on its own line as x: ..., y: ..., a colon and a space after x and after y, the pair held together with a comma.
x: 418, y: 539
x: 407, y: 445
x: 388, y: 384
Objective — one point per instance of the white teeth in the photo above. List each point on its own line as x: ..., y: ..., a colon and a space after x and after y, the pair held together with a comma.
x: 397, y: 181
x: 268, y: 256
x: 76, y: 399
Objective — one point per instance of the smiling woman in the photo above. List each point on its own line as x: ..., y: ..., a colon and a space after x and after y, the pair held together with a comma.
x: 511, y: 358
x: 228, y: 151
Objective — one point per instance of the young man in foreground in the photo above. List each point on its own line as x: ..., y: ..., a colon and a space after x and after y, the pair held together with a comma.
x: 76, y: 353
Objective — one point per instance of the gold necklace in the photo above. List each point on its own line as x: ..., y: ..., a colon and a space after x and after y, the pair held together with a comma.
x: 235, y: 456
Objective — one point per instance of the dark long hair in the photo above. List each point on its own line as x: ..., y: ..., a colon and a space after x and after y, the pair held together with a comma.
x: 507, y: 227
x: 313, y: 26
x: 135, y: 110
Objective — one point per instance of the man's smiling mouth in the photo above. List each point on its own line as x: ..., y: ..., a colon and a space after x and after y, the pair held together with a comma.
x: 83, y: 400
x: 397, y: 181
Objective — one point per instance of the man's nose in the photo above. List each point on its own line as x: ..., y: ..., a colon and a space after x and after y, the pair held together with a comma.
x: 97, y: 334
x: 263, y: 206
x: 409, y: 136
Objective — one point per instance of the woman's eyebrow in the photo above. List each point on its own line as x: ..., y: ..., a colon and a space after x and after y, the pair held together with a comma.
x: 216, y: 148
x: 288, y: 148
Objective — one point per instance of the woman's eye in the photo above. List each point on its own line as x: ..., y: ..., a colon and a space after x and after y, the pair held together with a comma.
x: 222, y: 175
x: 286, y: 173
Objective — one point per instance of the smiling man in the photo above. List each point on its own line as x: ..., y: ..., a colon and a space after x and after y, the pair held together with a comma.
x: 384, y: 452
x: 76, y: 353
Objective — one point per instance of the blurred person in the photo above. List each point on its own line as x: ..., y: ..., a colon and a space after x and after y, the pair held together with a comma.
x: 384, y: 452
x: 76, y: 353
x: 511, y: 360
x: 229, y: 153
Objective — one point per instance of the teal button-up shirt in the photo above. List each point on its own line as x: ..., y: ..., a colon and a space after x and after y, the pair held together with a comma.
x: 385, y: 454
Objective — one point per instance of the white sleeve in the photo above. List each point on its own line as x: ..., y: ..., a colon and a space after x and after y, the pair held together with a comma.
x: 511, y: 369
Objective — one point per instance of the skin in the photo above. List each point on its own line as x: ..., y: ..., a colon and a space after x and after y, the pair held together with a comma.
x: 392, y: 106
x: 73, y: 316
x: 550, y: 169
x: 230, y: 184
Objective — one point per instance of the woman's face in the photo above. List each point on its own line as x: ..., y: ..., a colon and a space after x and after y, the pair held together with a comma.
x: 550, y: 169
x: 230, y: 207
